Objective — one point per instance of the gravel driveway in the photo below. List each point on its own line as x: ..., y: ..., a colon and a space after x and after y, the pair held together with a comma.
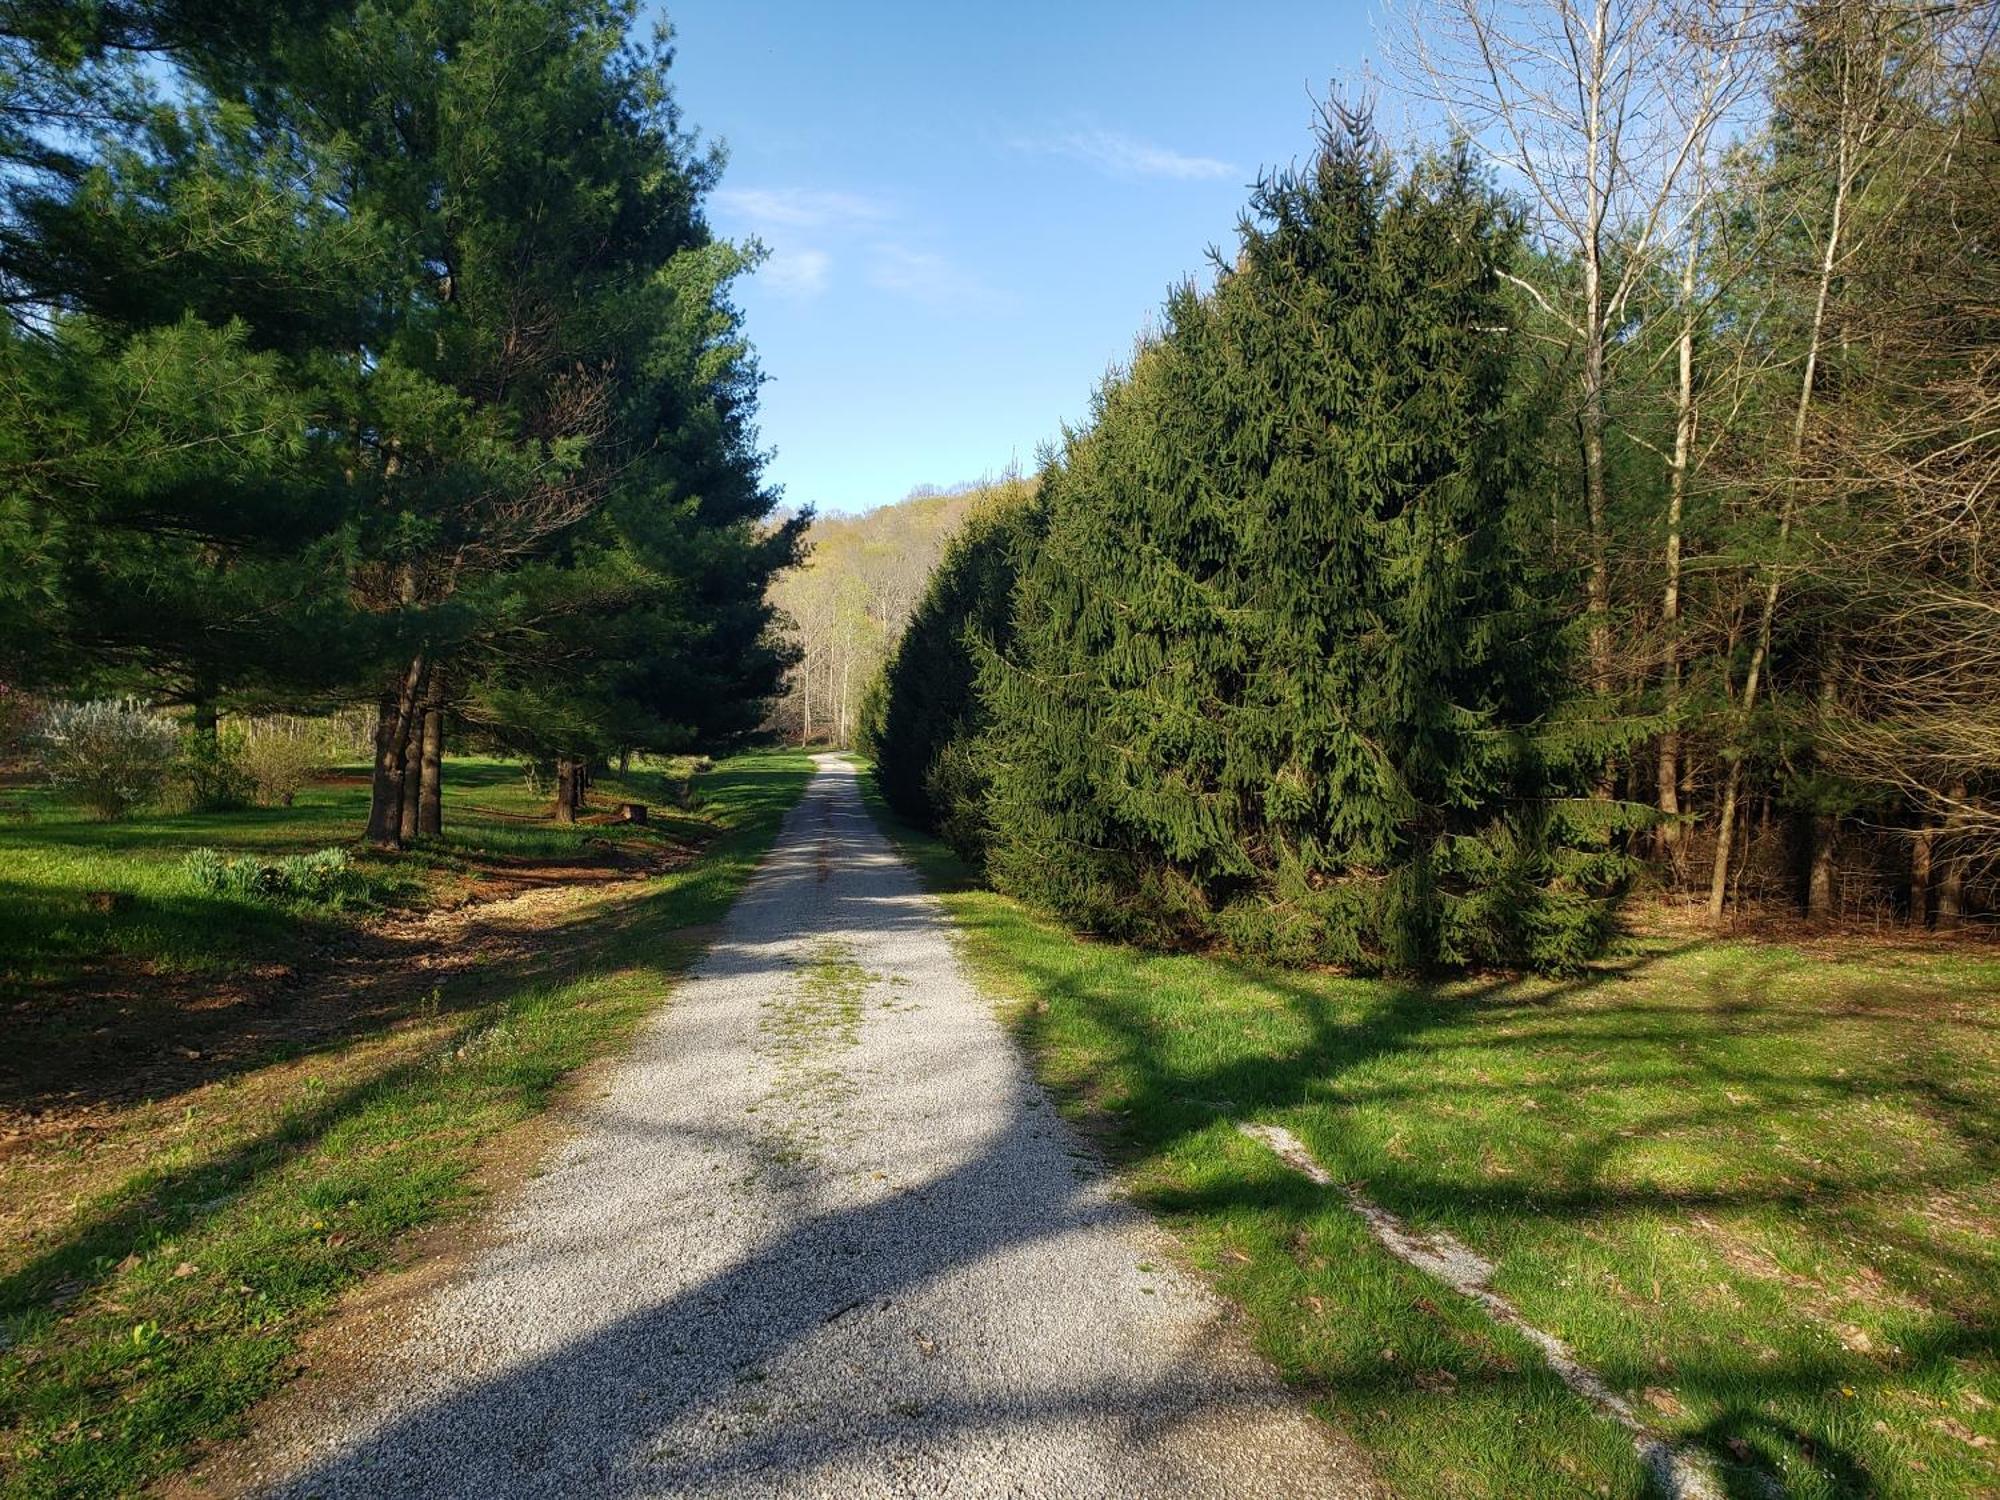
x: 821, y: 1235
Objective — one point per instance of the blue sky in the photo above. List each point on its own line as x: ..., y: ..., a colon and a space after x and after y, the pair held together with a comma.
x: 972, y: 210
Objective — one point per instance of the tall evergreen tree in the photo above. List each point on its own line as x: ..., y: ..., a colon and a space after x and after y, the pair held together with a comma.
x: 1278, y: 675
x: 365, y: 364
x: 180, y: 282
x: 563, y: 348
x: 924, y: 721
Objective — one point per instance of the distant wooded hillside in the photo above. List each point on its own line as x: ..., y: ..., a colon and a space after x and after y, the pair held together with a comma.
x: 847, y: 603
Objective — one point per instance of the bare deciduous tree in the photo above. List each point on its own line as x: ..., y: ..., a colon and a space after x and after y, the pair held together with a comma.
x: 848, y: 602
x: 1603, y: 113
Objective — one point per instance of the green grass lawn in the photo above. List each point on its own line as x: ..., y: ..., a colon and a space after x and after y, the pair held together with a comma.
x: 141, y: 1321
x: 74, y: 891
x: 1753, y: 1185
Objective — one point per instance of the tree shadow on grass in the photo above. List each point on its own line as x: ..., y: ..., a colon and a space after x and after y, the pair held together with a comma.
x: 1461, y: 1059
x: 381, y: 991
x: 609, y: 1405
x: 1688, y: 1052
x: 114, y: 1038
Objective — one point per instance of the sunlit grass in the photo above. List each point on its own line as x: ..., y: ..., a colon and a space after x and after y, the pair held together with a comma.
x: 149, y: 1318
x: 75, y: 890
x: 1753, y: 1186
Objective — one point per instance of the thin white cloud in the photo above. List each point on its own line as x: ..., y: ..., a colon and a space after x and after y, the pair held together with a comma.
x: 799, y: 208
x: 854, y: 225
x: 926, y: 276
x: 797, y: 273
x: 1121, y: 155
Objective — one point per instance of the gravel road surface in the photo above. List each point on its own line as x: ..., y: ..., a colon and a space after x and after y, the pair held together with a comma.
x: 821, y: 1235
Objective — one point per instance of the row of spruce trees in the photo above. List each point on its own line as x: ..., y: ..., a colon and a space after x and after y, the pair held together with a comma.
x: 1269, y: 659
x: 376, y: 354
x: 1385, y: 615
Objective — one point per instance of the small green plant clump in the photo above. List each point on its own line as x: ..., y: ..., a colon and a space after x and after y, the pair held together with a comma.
x: 325, y: 878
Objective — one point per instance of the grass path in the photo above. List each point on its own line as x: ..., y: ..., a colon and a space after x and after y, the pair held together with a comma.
x: 141, y: 1320
x: 1753, y: 1185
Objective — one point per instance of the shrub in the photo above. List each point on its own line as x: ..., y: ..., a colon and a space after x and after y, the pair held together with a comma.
x: 109, y: 755
x: 17, y: 719
x: 281, y: 755
x: 208, y: 773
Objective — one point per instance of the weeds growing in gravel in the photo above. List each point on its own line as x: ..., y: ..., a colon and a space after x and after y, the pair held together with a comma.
x: 804, y: 1030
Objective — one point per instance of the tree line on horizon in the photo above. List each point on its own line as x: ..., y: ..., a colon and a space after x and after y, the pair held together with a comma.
x: 842, y: 608
x: 1602, y: 497
x: 377, y: 355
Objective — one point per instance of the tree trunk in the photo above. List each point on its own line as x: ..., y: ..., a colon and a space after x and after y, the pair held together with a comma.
x: 1825, y: 829
x: 569, y: 789
x: 1725, y: 835
x: 1598, y: 583
x: 1669, y: 843
x: 1951, y: 878
x: 846, y: 664
x: 1594, y: 416
x: 1920, y: 874
x: 205, y: 717
x: 394, y: 716
x: 408, y: 823
x: 1830, y: 257
x: 385, y: 804
x: 1819, y: 875
x: 430, y: 803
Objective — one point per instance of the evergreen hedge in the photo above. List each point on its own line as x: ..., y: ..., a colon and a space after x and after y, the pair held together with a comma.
x: 1278, y: 675
x: 923, y: 718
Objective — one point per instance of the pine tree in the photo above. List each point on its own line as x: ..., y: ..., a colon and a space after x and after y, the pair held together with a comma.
x: 1277, y: 672
x: 924, y: 721
x: 170, y: 477
x: 562, y: 358
x: 394, y: 360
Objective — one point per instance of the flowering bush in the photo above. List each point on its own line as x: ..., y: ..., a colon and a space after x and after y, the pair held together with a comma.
x: 110, y: 754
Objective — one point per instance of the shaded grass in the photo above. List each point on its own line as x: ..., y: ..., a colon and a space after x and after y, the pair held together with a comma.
x: 76, y: 891
x: 1753, y: 1186
x: 156, y: 1314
